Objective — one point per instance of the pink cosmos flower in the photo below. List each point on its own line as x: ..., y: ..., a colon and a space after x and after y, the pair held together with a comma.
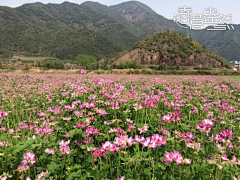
x: 96, y: 153
x: 49, y: 151
x: 83, y: 71
x: 174, y: 156
x: 205, y: 126
x: 67, y: 118
x: 143, y: 129
x: 165, y: 131
x: 22, y: 168
x: 131, y: 127
x: 91, y: 130
x: 139, y: 139
x: 121, y: 178
x: 190, y: 135
x: 42, y: 175
x: 122, y: 141
x: 78, y: 113
x: 2, y: 129
x: 167, y: 118
x: 224, y: 157
x: 64, y: 147
x: 42, y: 114
x: 3, y: 113
x: 167, y: 157
x: 102, y: 112
x: 11, y: 131
x: 80, y: 125
x: 29, y: 158
x: 66, y: 135
x: 129, y: 121
x: 107, y: 146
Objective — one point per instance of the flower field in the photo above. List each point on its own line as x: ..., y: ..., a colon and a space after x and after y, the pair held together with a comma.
x: 119, y: 127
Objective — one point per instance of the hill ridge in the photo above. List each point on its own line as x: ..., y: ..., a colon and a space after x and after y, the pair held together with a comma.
x: 120, y: 25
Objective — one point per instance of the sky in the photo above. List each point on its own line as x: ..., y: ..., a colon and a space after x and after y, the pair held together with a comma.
x: 166, y: 8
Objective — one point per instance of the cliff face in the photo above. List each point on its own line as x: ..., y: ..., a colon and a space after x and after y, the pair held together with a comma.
x: 145, y: 57
x: 171, y: 48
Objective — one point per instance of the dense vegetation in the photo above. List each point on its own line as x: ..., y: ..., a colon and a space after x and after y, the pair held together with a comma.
x: 87, y: 127
x: 66, y: 30
x: 173, y: 44
x: 60, y: 31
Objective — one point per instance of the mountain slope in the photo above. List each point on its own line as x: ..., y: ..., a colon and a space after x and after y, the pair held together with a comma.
x: 223, y: 43
x: 171, y: 48
x: 63, y: 30
x: 67, y: 29
x: 143, y: 17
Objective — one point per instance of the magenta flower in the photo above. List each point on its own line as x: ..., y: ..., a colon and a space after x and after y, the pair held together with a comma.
x: 22, y: 168
x: 42, y: 175
x: 174, y: 156
x: 167, y: 118
x: 29, y: 158
x: 143, y: 129
x: 102, y: 112
x: 122, y: 141
x: 78, y: 113
x: 49, y: 151
x: 167, y: 157
x: 67, y: 118
x: 83, y: 71
x: 139, y: 139
x: 224, y: 157
x: 96, y: 153
x: 3, y: 113
x: 64, y: 147
x: 121, y: 178
x: 205, y: 126
x: 80, y: 125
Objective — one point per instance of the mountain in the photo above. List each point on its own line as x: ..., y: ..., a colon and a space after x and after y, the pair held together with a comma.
x: 143, y: 17
x: 62, y: 30
x: 224, y: 43
x: 66, y: 30
x: 170, y: 48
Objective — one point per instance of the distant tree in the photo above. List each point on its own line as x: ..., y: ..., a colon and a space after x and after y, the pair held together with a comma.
x: 87, y: 61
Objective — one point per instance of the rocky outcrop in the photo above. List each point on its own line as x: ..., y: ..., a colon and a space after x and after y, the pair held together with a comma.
x: 145, y: 57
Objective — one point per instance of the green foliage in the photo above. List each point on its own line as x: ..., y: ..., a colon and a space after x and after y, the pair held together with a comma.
x: 128, y: 64
x: 65, y: 30
x: 172, y: 44
x: 6, y: 55
x: 105, y: 64
x: 224, y: 43
x: 50, y: 30
x: 12, y: 68
x: 143, y: 108
x: 52, y: 64
x: 87, y: 61
x: 169, y: 43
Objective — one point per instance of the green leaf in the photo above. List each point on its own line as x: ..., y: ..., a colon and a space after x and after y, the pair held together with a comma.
x: 52, y: 166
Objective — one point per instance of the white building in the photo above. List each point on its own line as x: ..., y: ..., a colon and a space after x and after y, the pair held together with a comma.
x: 235, y: 65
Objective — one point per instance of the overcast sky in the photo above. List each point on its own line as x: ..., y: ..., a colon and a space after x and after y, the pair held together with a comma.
x: 166, y: 8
